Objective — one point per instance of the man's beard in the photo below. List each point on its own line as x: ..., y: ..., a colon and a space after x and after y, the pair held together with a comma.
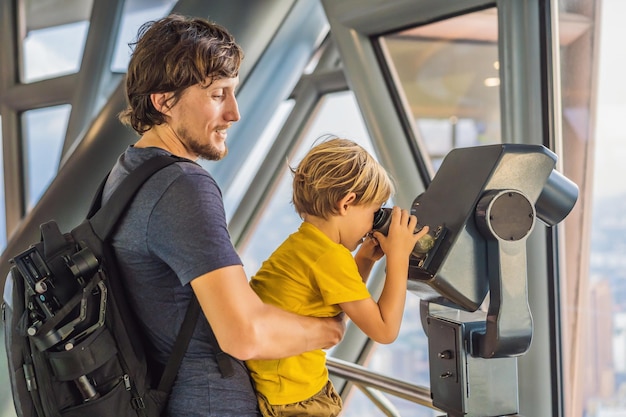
x: 204, y: 150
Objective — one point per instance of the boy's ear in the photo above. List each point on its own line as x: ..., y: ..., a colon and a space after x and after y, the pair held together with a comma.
x: 348, y: 200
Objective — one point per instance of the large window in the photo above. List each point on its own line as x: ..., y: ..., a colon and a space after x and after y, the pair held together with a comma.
x: 54, y: 39
x: 603, y: 342
x: 136, y: 13
x: 44, y: 131
x: 339, y: 116
x: 405, y: 359
x: 448, y: 75
x: 234, y: 194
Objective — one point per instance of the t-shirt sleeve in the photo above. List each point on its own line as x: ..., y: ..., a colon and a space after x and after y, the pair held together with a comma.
x: 338, y: 278
x: 187, y: 228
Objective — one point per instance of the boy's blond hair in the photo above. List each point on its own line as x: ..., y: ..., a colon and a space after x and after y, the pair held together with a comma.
x: 333, y: 169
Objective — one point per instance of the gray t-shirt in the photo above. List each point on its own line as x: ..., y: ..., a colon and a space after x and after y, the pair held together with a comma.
x: 174, y: 231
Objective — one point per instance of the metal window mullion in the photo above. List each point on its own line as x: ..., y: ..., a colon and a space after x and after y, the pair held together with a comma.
x: 44, y: 93
x: 95, y: 66
x: 271, y: 81
x: 250, y: 208
x: 11, y: 135
x: 525, y: 113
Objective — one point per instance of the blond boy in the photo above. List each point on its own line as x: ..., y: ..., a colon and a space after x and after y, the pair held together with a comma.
x: 337, y: 189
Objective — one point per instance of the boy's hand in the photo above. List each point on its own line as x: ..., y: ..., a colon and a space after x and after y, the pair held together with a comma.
x: 401, y: 238
x: 370, y: 249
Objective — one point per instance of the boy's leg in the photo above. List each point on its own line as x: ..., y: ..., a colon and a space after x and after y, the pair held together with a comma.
x: 326, y: 403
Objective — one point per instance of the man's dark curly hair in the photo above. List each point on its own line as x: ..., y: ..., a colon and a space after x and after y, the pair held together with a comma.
x: 171, y: 55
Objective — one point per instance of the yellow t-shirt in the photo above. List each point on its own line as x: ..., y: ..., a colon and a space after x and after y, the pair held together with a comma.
x: 308, y: 274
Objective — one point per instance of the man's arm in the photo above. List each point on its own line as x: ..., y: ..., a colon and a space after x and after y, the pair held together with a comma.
x: 247, y: 328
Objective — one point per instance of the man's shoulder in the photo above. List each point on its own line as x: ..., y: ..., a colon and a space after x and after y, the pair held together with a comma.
x: 134, y: 157
x: 186, y: 171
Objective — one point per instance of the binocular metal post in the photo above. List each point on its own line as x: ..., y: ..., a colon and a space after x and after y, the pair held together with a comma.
x: 472, y: 355
x: 461, y: 384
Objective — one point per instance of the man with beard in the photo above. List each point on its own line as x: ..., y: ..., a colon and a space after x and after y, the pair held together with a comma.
x: 173, y: 243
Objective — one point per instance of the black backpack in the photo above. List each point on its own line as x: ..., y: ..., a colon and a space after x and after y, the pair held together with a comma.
x: 73, y: 346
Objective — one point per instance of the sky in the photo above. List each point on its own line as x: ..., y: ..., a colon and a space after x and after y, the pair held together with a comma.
x: 610, y: 149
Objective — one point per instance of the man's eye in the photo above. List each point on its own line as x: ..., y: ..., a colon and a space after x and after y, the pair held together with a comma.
x: 217, y: 93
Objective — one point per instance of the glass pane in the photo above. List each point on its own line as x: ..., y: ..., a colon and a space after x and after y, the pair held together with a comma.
x: 358, y: 404
x: 405, y: 359
x: 338, y: 115
x: 605, y: 335
x: 44, y: 133
x: 234, y: 194
x: 448, y: 74
x: 136, y: 13
x: 55, y: 38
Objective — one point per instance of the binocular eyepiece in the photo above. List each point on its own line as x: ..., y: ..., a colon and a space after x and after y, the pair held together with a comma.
x: 382, y: 219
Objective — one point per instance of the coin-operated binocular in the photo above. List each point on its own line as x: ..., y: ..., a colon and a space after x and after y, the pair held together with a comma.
x: 480, y: 207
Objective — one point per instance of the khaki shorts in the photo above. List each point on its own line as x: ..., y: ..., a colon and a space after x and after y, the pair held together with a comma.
x: 326, y: 403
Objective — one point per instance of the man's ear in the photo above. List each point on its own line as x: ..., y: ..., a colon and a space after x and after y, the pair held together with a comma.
x: 160, y: 100
x: 345, y: 202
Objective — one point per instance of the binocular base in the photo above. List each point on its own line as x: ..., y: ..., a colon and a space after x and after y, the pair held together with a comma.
x: 464, y: 385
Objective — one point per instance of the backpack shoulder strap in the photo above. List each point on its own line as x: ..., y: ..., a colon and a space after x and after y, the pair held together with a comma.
x: 180, y: 346
x: 224, y: 360
x: 103, y: 218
